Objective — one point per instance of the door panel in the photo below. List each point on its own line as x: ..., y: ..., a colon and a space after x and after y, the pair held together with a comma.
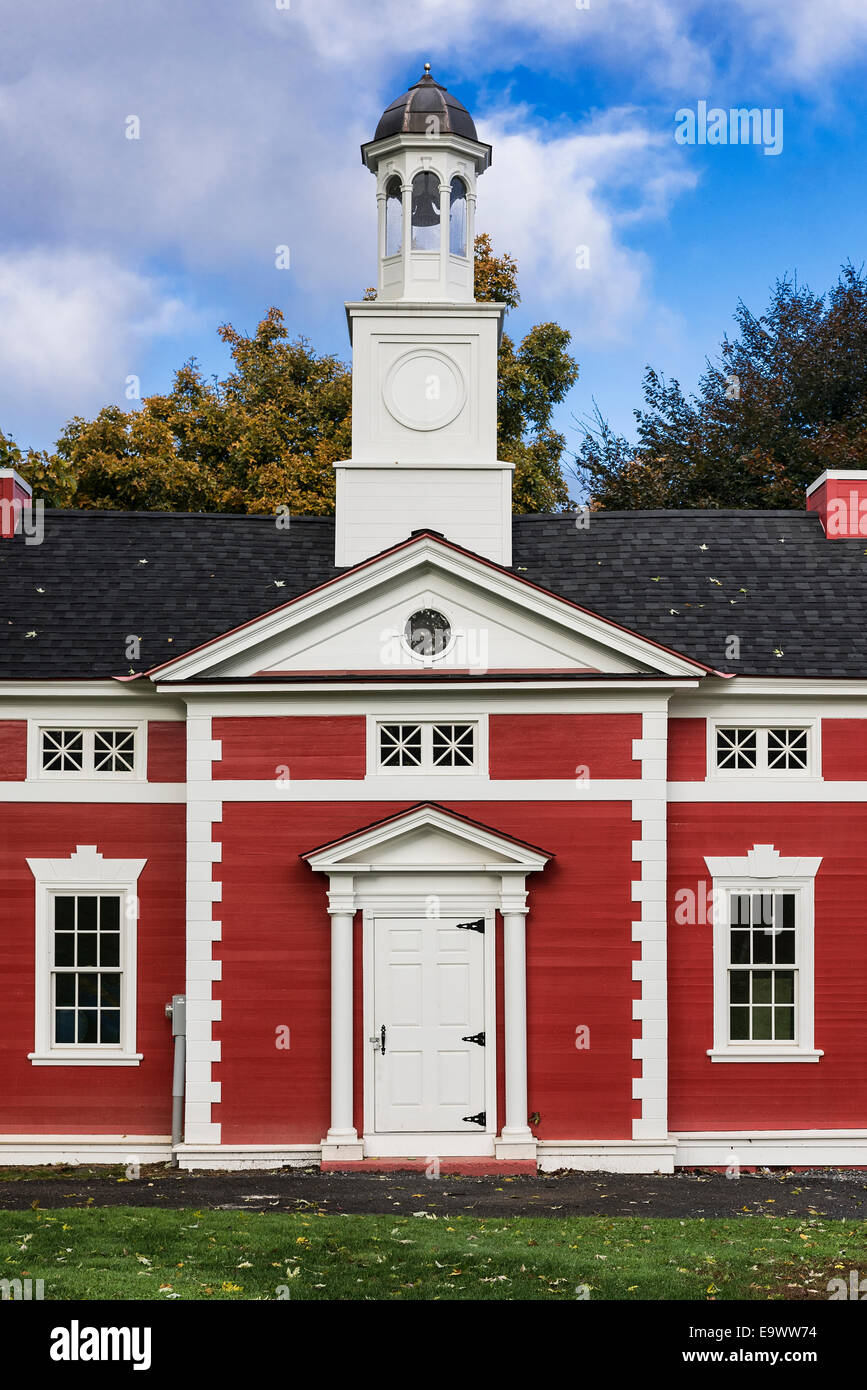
x: 428, y: 992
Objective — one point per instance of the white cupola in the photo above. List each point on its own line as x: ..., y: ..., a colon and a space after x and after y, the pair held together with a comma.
x: 427, y: 158
x: 424, y: 353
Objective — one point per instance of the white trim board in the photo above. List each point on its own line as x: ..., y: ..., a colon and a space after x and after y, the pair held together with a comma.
x: 25, y: 1149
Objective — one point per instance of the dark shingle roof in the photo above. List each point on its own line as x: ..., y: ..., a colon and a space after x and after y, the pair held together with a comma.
x: 86, y: 589
x: 409, y: 113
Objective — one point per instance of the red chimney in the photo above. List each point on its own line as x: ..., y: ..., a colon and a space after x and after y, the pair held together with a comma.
x: 14, y: 494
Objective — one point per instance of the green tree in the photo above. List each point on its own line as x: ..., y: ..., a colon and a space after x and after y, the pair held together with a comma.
x: 785, y: 400
x: 270, y: 432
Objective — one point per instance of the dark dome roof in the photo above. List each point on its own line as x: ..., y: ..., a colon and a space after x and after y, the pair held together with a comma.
x: 408, y: 114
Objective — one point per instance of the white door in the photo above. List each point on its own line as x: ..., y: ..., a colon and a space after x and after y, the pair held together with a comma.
x: 429, y: 998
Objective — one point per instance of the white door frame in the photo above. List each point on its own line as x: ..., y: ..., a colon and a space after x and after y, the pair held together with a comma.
x: 452, y: 904
x: 400, y: 865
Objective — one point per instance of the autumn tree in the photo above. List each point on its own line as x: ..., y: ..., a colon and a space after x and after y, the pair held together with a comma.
x: 785, y: 400
x: 270, y: 432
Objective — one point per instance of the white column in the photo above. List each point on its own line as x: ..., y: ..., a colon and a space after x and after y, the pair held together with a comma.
x: 445, y: 235
x: 406, y: 237
x: 342, y: 1139
x: 516, y: 1138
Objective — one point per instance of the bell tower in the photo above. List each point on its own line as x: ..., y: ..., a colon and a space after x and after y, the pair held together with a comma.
x: 424, y: 353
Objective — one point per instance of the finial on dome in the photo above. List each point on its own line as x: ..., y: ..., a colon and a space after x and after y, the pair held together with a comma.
x: 427, y: 69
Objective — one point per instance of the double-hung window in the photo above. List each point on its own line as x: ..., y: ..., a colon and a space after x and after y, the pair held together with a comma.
x: 763, y: 957
x: 85, y: 986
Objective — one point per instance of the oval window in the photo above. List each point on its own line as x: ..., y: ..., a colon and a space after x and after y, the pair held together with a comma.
x: 427, y: 632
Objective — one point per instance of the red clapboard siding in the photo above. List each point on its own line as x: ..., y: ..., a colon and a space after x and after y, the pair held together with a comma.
x: 844, y: 750
x: 309, y: 746
x: 90, y: 1100
x: 13, y: 750
x: 275, y: 950
x: 555, y: 745
x: 167, y: 750
x: 687, y: 750
x: 831, y: 1093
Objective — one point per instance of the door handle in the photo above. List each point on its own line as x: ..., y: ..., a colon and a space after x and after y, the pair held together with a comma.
x: 379, y: 1042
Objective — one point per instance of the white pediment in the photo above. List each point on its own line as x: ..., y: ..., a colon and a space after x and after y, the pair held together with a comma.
x: 429, y: 838
x: 498, y: 623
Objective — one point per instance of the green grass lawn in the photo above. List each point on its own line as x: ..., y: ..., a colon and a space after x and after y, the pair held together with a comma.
x: 135, y: 1253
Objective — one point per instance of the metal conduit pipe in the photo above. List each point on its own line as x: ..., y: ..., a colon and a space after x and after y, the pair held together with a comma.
x: 177, y: 1012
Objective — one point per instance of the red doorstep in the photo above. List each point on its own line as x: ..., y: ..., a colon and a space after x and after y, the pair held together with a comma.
x: 462, y: 1167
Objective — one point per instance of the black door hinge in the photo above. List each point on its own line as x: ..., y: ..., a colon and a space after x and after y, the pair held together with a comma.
x: 478, y: 1038
x: 480, y: 1119
x: 472, y: 926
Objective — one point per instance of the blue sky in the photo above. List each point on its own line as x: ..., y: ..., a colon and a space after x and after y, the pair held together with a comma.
x: 119, y: 257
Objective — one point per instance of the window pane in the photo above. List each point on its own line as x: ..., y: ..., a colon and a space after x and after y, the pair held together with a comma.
x: 109, y: 948
x: 88, y: 986
x: 426, y: 212
x: 114, y: 750
x: 64, y: 948
x: 740, y: 909
x: 64, y: 990
x: 64, y: 1026
x: 87, y: 910
x: 784, y: 1024
x: 761, y: 986
x: 785, y: 948
x: 88, y: 1030
x: 762, y: 1024
x: 86, y: 948
x: 740, y: 986
x: 110, y: 991
x: 62, y: 750
x: 109, y: 914
x: 787, y: 916
x: 784, y: 986
x: 740, y: 1024
x: 64, y: 914
x: 453, y: 745
x: 110, y: 1026
x: 763, y: 946
x: 740, y: 947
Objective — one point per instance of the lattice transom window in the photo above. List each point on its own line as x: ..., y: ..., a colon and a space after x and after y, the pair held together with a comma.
x: 773, y: 748
x: 87, y: 752
x: 428, y: 746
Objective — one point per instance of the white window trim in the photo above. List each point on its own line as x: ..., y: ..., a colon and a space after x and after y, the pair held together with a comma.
x: 809, y: 774
x: 479, y: 767
x: 764, y: 870
x: 85, y: 871
x: 36, y: 773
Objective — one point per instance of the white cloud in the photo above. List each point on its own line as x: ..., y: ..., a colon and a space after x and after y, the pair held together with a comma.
x: 73, y: 326
x: 545, y: 199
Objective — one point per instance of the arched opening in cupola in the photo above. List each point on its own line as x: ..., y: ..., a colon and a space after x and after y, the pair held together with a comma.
x: 458, y: 218
x: 426, y: 212
x: 393, y: 216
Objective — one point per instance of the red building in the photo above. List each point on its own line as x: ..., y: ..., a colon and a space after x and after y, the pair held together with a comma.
x: 533, y: 838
